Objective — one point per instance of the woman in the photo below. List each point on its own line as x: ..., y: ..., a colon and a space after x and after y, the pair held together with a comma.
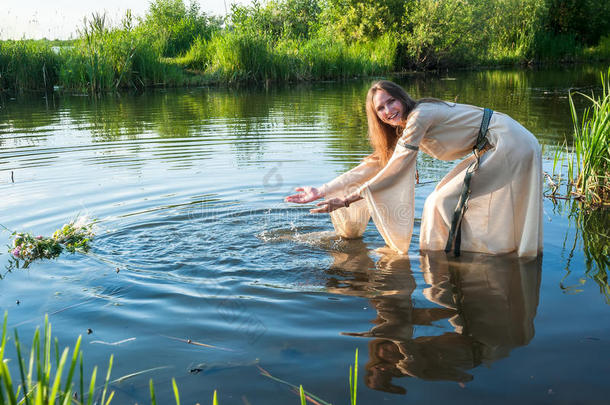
x: 491, y: 202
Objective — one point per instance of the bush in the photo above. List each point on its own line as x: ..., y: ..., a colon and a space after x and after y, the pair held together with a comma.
x: 514, y: 26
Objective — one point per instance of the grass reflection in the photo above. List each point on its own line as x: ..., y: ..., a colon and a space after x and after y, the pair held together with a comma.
x: 593, y: 237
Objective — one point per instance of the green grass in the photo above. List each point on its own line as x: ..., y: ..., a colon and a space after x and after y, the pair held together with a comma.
x: 584, y: 165
x: 108, y: 59
x: 589, y: 164
x: 353, y: 380
x: 236, y: 57
x: 102, y: 59
x: 27, y: 65
x: 587, y: 182
x: 42, y: 379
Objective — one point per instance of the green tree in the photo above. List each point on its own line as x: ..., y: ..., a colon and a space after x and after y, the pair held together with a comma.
x: 513, y: 26
x: 587, y: 20
x: 292, y: 19
x: 177, y: 26
x: 438, y: 31
x: 256, y: 19
x: 356, y: 20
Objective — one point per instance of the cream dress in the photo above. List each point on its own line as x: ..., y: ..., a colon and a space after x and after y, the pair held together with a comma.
x: 505, y: 207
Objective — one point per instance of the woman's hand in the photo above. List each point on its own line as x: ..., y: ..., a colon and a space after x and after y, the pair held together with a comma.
x: 328, y: 205
x: 307, y: 194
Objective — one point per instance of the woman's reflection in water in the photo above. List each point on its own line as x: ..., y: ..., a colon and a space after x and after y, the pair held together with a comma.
x: 483, y: 307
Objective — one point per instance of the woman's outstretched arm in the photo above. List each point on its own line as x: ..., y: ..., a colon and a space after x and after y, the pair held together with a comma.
x: 343, y: 185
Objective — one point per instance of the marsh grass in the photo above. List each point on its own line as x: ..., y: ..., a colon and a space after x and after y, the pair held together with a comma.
x: 27, y: 65
x: 42, y: 380
x: 237, y: 57
x: 49, y: 375
x: 103, y: 59
x: 584, y: 166
x: 108, y: 59
x: 353, y: 380
x: 589, y: 164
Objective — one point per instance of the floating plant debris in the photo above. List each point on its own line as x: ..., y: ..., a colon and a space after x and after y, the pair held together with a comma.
x: 73, y: 237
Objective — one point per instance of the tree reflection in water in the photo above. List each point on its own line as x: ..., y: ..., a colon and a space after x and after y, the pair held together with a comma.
x: 482, y: 306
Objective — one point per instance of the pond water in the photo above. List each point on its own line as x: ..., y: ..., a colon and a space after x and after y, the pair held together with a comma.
x: 194, y: 242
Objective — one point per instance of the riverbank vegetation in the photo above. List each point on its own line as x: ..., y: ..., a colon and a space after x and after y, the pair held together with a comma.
x: 585, y: 161
x: 175, y: 44
x: 589, y: 165
x: 583, y: 168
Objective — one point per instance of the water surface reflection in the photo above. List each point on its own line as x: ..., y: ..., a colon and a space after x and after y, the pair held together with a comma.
x: 477, y: 309
x: 188, y: 188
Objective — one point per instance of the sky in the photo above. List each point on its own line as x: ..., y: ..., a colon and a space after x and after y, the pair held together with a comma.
x: 59, y: 19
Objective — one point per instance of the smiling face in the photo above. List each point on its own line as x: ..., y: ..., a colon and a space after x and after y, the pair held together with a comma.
x: 389, y: 109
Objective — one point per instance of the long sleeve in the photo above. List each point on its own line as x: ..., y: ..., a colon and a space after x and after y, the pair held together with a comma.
x: 390, y: 193
x: 351, y: 222
x: 349, y: 181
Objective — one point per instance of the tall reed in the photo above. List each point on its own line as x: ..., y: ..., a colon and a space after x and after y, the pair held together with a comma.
x: 108, y: 59
x: 27, y: 65
x: 241, y: 57
x: 589, y: 164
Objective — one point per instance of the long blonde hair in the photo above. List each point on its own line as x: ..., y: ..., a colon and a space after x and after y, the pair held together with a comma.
x: 383, y: 137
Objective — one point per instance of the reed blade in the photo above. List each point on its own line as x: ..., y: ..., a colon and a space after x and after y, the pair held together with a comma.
x: 176, y: 393
x: 153, y: 399
x: 92, y: 386
x: 58, y: 373
x: 107, y: 379
x: 68, y: 384
x: 21, y: 369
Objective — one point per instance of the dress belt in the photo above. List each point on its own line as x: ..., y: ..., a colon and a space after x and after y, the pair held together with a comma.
x: 455, y: 232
